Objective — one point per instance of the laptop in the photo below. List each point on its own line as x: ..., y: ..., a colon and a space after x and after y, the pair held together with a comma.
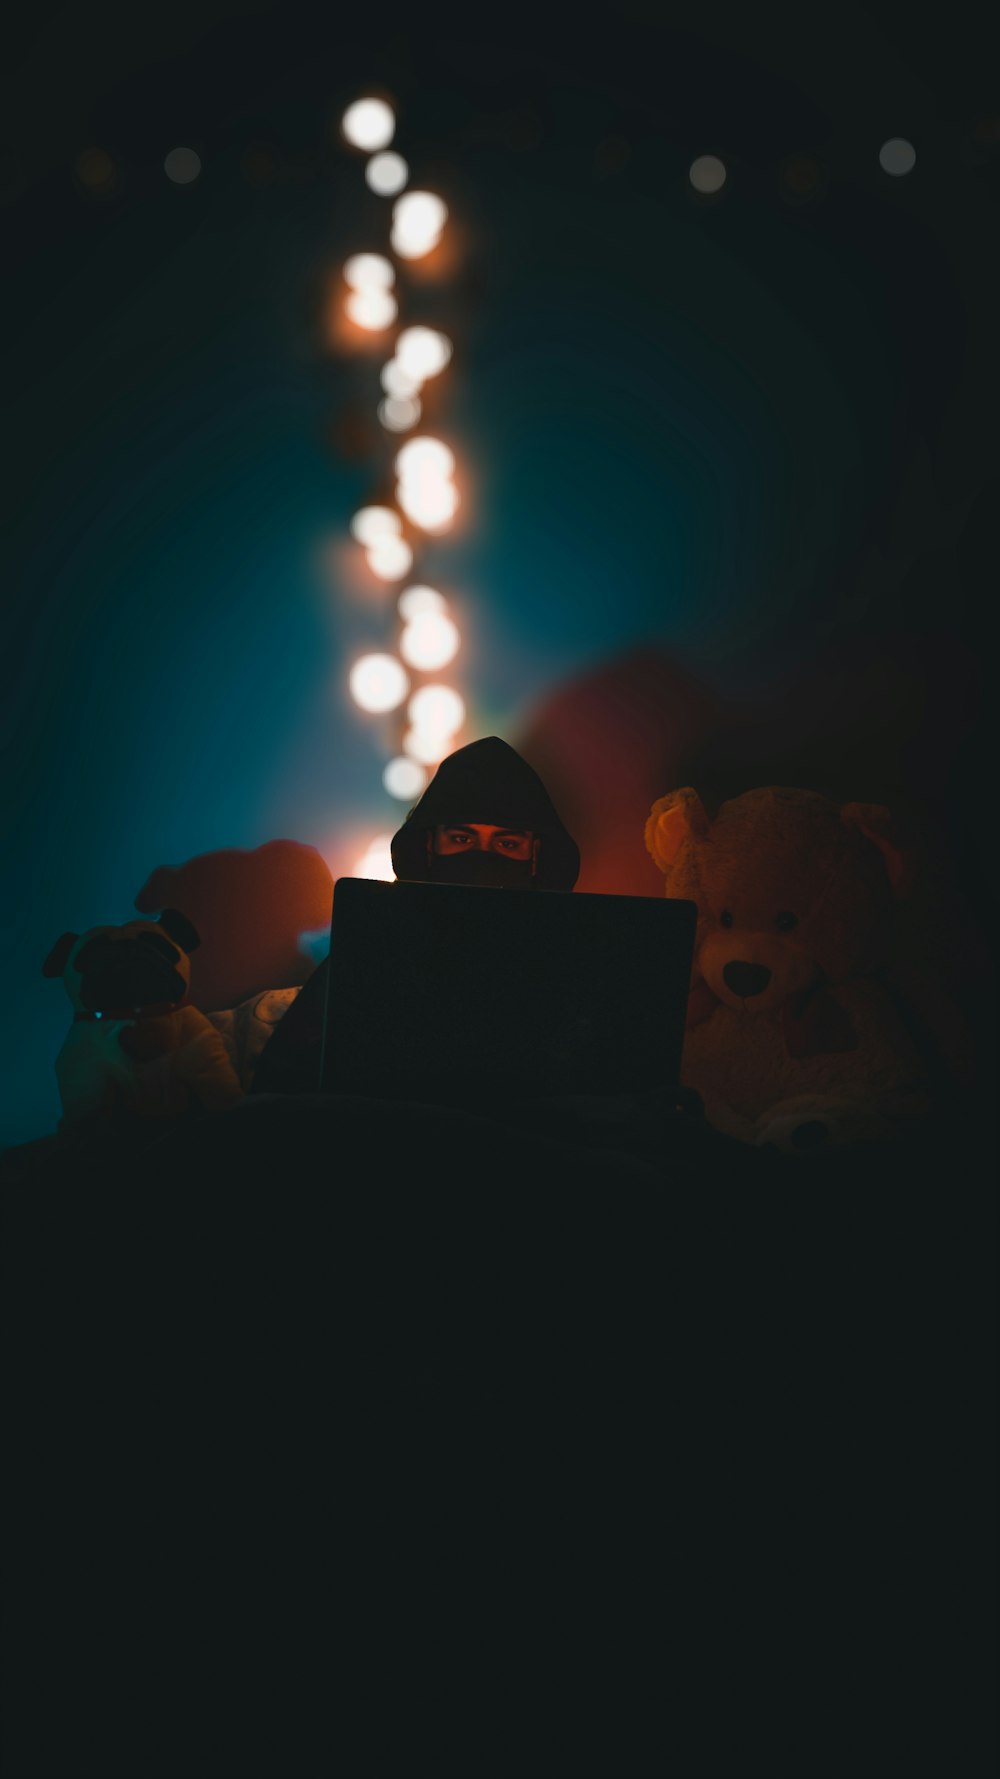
x: 469, y: 996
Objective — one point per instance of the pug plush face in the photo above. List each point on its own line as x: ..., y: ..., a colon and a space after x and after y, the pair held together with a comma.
x: 124, y: 970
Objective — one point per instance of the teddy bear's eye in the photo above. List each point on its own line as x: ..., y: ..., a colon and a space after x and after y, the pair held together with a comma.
x: 786, y: 921
x: 725, y: 918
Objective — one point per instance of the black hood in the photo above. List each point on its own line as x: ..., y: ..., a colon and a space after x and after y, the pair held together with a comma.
x: 488, y: 782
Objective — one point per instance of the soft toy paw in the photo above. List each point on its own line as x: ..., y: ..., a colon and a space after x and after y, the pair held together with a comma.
x: 137, y: 1049
x: 792, y: 1037
x: 246, y: 1029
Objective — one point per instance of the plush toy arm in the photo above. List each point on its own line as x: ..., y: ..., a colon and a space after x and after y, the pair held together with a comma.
x: 202, y: 1062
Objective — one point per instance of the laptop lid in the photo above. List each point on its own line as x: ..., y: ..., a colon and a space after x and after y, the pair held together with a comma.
x: 466, y: 996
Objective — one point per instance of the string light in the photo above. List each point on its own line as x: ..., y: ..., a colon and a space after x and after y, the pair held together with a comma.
x: 396, y: 382
x: 390, y: 558
x: 399, y: 412
x: 386, y: 174
x: 707, y: 174
x: 372, y: 309
x: 415, y: 600
x: 429, y: 641
x: 404, y: 778
x: 378, y: 682
x: 369, y: 124
x: 369, y: 271
x: 424, y: 489
x: 418, y: 218
x: 370, y: 523
x: 422, y: 352
x: 897, y: 156
x: 436, y: 710
x: 426, y: 748
x: 425, y: 494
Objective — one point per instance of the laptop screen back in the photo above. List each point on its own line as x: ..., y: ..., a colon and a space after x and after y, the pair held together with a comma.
x: 463, y: 995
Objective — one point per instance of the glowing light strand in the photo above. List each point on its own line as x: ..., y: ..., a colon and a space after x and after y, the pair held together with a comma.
x: 427, y: 717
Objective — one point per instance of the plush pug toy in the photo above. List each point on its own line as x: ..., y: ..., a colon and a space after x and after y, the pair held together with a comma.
x: 136, y: 1049
x: 793, y: 1037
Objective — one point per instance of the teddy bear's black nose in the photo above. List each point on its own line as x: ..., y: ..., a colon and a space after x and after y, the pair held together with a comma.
x: 746, y: 979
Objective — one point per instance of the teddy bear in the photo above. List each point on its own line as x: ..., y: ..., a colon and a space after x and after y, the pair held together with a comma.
x: 136, y: 1050
x: 793, y: 1038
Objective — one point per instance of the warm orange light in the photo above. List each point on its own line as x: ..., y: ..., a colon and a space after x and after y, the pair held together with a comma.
x: 377, y: 861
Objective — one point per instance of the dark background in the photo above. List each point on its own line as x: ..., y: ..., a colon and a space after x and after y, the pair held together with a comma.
x: 733, y: 458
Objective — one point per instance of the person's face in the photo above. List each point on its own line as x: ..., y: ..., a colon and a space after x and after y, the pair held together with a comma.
x: 509, y: 843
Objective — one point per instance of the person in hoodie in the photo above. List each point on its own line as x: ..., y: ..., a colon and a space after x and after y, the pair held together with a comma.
x: 485, y: 819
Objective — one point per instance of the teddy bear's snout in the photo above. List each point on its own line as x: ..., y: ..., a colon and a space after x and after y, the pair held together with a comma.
x: 746, y: 979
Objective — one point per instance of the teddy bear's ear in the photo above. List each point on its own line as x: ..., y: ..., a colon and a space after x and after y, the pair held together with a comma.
x: 672, y: 819
x: 180, y: 928
x: 55, y: 963
x: 875, y: 823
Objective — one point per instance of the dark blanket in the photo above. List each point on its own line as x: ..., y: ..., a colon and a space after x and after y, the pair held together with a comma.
x: 355, y: 1439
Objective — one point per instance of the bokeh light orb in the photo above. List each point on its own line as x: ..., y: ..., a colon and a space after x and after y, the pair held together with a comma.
x: 182, y: 166
x: 378, y: 682
x: 369, y: 271
x: 707, y: 174
x: 422, y: 352
x: 371, y: 523
x: 429, y: 502
x: 436, y: 711
x: 424, y: 457
x: 417, y: 220
x: 390, y: 558
x: 404, y: 778
x: 399, y: 412
x: 396, y: 382
x: 369, y: 124
x: 377, y: 861
x: 372, y: 309
x: 427, y: 748
x: 386, y: 174
x: 897, y: 156
x: 429, y: 641
x: 413, y: 601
